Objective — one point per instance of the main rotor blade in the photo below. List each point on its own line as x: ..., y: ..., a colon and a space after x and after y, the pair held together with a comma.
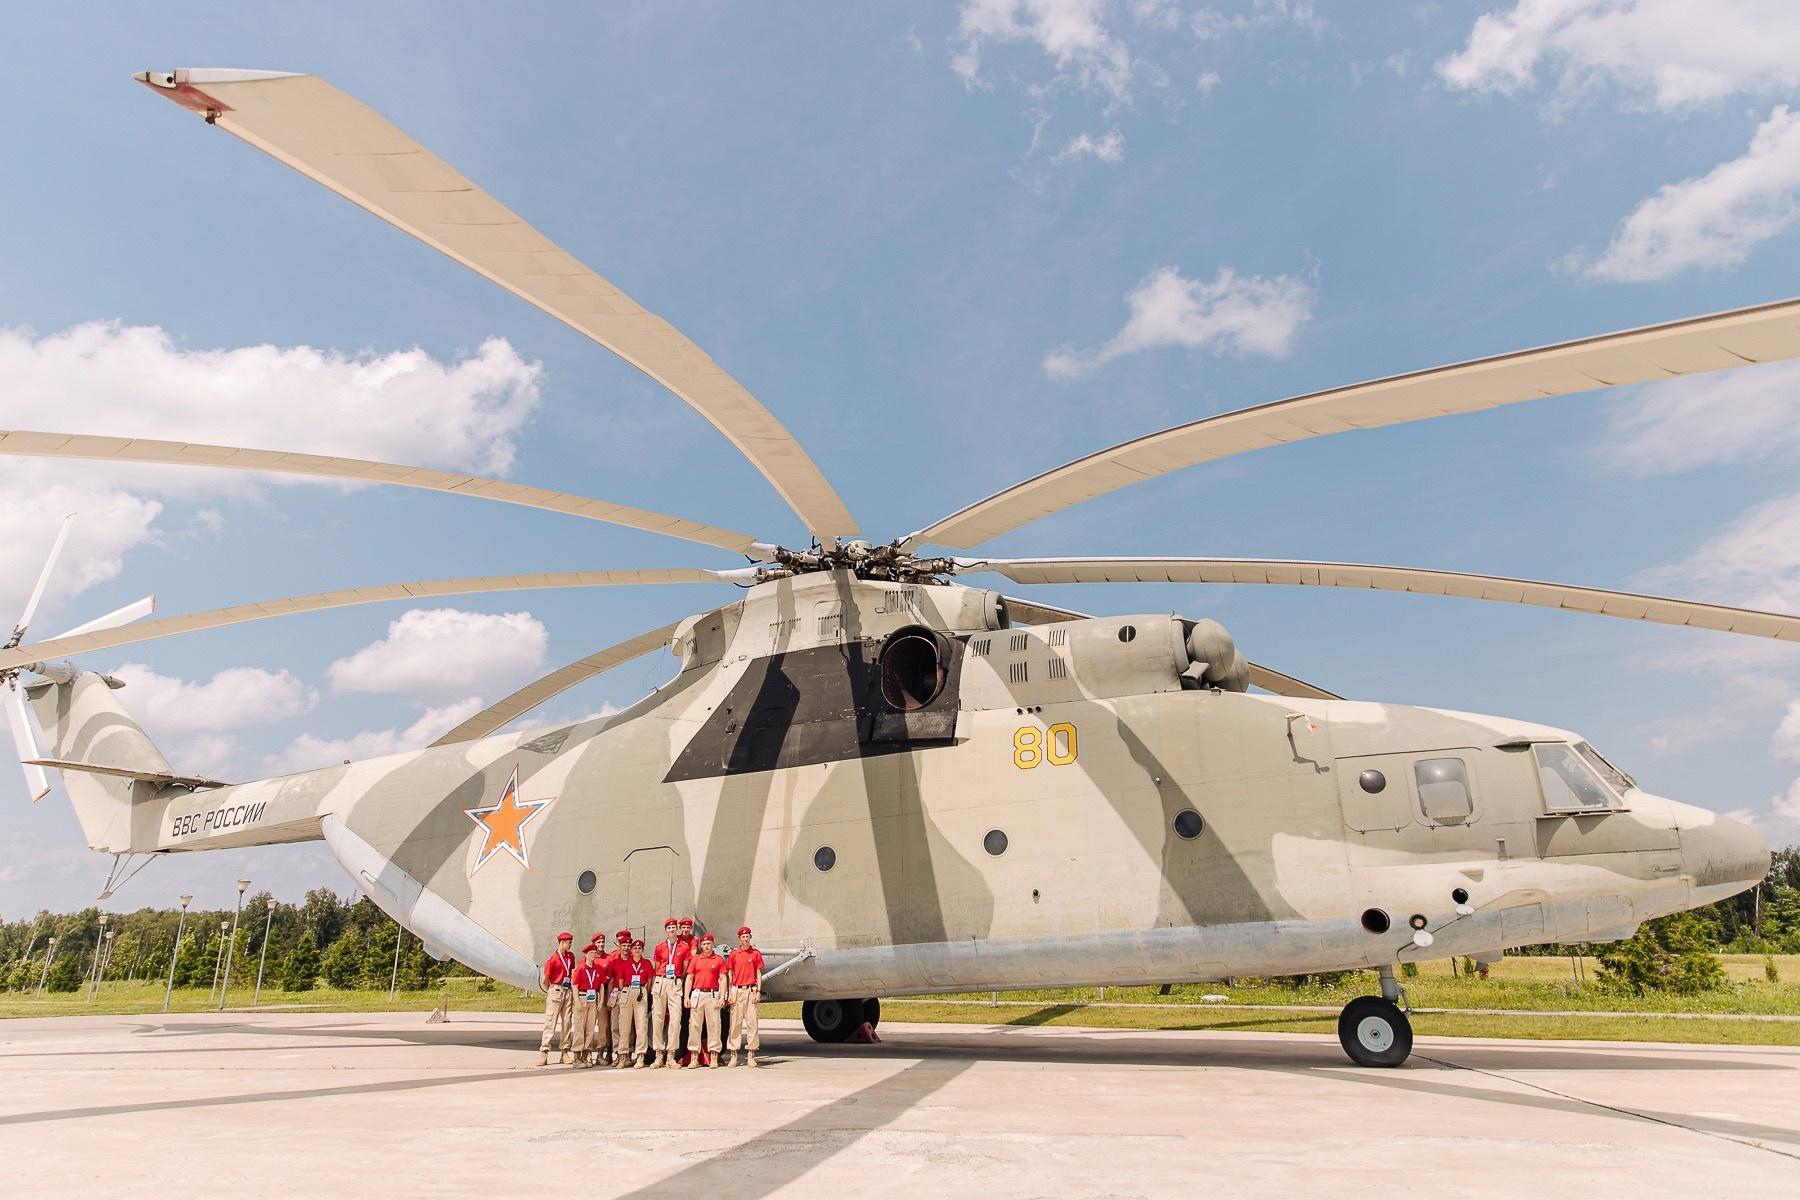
x: 37, y: 782
x: 1744, y: 337
x: 1266, y: 678
x: 340, y: 142
x: 319, y: 466
x: 496, y: 716
x: 1302, y: 573
x: 420, y: 589
x: 37, y: 593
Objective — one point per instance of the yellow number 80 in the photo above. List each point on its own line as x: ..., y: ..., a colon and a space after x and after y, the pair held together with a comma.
x: 1055, y: 745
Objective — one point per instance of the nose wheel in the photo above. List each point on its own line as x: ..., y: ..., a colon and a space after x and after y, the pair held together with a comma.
x: 1374, y: 1032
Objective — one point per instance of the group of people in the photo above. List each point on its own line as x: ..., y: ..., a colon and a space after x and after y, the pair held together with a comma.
x: 625, y: 1010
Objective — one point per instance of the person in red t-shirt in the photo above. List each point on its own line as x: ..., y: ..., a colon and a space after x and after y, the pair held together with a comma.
x: 554, y: 978
x: 704, y: 988
x: 631, y: 979
x: 687, y: 934
x: 670, y: 965
x: 589, y: 982
x: 621, y: 951
x: 744, y: 971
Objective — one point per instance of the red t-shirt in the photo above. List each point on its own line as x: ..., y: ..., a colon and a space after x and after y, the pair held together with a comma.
x: 589, y: 979
x: 745, y: 966
x: 663, y: 960
x: 625, y: 971
x: 558, y: 967
x: 704, y: 970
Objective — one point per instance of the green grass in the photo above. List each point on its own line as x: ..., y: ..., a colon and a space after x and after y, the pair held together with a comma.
x: 1515, y: 984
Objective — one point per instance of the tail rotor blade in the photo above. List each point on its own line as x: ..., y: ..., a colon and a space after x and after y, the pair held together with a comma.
x: 37, y: 782
x: 137, y: 610
x: 37, y: 593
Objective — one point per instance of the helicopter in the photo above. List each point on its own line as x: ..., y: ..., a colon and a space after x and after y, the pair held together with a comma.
x: 907, y: 784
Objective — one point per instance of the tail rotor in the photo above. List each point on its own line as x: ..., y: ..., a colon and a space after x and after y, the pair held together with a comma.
x: 24, y: 731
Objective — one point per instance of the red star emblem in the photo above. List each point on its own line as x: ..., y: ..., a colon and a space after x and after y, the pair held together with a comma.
x: 503, y: 823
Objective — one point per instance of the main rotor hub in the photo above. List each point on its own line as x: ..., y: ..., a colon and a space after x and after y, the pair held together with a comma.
x: 860, y: 558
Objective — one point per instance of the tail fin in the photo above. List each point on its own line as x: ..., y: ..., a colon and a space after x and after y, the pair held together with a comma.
x: 86, y: 724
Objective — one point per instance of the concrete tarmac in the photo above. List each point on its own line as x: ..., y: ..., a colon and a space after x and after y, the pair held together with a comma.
x: 362, y: 1104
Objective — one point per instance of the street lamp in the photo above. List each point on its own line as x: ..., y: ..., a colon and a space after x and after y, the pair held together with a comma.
x: 99, y: 940
x: 102, y: 958
x: 243, y: 886
x: 218, y: 961
x: 169, y: 993
x: 264, y: 956
x: 49, y: 953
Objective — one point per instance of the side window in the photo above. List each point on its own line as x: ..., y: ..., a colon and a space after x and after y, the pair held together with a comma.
x: 1444, y: 796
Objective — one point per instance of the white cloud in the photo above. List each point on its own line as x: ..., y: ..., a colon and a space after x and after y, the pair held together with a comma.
x: 1740, y: 415
x: 1754, y: 561
x: 32, y: 509
x: 406, y: 406
x: 235, y: 698
x: 308, y: 752
x: 1069, y: 32
x: 1212, y: 24
x: 1158, y: 14
x: 1785, y: 808
x: 1206, y: 83
x: 1713, y: 220
x: 1109, y: 147
x: 1673, y: 53
x: 437, y: 651
x: 1230, y: 314
x: 1786, y: 742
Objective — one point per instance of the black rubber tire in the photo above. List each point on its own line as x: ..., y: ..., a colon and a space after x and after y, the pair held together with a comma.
x: 831, y: 1020
x: 1374, y: 1032
x: 872, y: 1013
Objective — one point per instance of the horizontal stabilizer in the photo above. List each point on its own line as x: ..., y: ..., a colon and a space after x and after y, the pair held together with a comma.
x: 163, y: 777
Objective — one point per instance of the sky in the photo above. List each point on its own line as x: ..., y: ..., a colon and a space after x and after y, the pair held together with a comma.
x: 949, y: 246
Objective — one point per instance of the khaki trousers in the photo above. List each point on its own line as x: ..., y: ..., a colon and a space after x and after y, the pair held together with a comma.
x: 744, y: 1004
x: 665, y: 1015
x: 631, y: 1024
x: 588, y: 1023
x: 556, y: 1009
x: 603, y: 1038
x: 703, y: 1019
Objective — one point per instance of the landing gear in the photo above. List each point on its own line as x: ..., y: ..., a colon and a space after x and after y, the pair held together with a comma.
x: 1374, y: 1030
x: 832, y: 1020
x: 838, y: 1020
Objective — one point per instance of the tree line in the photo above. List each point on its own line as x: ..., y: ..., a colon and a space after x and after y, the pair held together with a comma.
x: 322, y: 940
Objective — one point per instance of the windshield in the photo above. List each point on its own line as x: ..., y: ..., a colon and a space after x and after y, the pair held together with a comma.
x: 1569, y: 784
x: 1619, y: 780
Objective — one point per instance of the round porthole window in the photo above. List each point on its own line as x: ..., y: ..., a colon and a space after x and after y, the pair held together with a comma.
x: 584, y: 883
x: 824, y: 858
x: 994, y: 843
x: 1372, y: 780
x: 1374, y: 920
x: 1127, y: 632
x: 1188, y: 824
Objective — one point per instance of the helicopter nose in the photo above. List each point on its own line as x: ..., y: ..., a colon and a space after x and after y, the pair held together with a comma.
x: 1723, y: 856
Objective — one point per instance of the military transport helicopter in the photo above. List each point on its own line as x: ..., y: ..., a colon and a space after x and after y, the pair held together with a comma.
x: 909, y: 785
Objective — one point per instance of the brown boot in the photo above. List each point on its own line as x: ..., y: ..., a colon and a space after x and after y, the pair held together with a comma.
x: 734, y: 1059
x: 565, y: 1058
x: 752, y: 1060
x: 543, y: 1058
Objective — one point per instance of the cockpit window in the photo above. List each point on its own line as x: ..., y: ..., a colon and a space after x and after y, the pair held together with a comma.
x: 1569, y: 784
x: 1616, y: 779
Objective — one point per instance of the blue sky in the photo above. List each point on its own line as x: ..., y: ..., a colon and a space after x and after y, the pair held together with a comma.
x: 949, y: 246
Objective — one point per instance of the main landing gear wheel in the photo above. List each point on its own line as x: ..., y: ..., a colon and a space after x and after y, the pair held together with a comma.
x: 832, y: 1020
x: 872, y: 1013
x: 1374, y: 1032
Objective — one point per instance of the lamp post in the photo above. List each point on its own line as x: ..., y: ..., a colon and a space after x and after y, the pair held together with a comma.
x: 264, y: 956
x: 394, y: 979
x: 169, y: 992
x: 218, y: 962
x: 243, y: 886
x: 49, y: 953
x: 102, y: 957
x: 94, y: 971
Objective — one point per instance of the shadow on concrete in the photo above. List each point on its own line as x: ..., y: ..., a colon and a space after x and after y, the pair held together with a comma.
x: 774, y: 1159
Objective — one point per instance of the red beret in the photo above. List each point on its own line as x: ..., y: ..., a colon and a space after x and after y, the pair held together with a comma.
x: 590, y: 948
x: 706, y: 937
x: 625, y: 936
x: 565, y: 936
x: 671, y: 923
x: 638, y: 944
x: 687, y: 920
x: 743, y: 930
